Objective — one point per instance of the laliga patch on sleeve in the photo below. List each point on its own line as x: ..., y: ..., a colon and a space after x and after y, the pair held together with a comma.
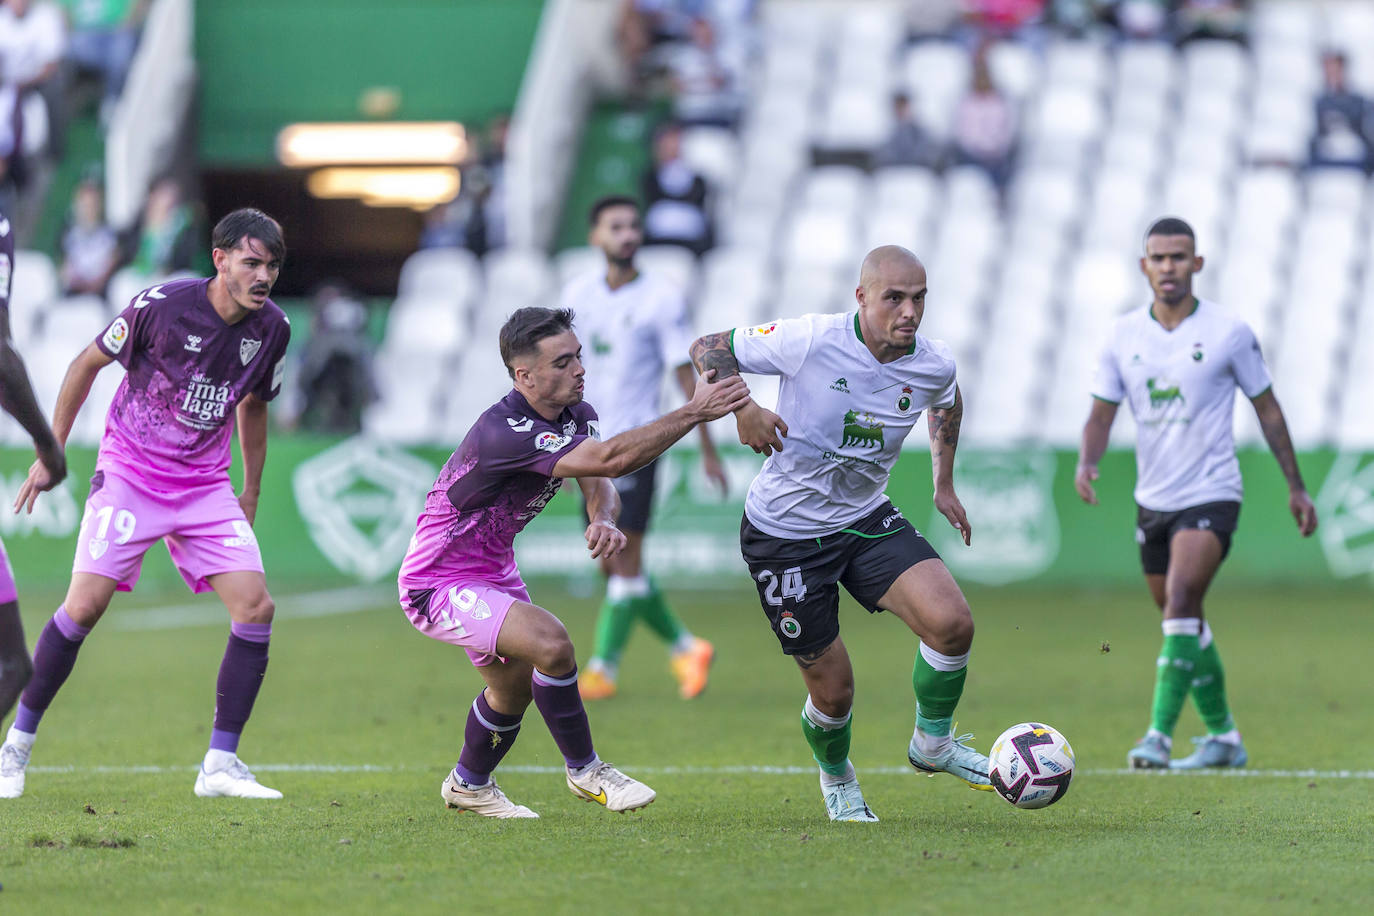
x: 4, y: 274
x: 551, y: 442
x: 115, y: 335
x: 278, y: 371
x: 762, y: 330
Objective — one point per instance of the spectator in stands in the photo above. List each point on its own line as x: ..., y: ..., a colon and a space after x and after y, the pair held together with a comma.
x: 674, y: 196
x: 336, y: 367
x: 493, y: 163
x: 705, y: 84
x: 985, y: 125
x: 165, y: 240
x: 991, y: 20
x: 446, y: 224
x: 90, y: 248
x: 1223, y: 19
x: 103, y: 38
x: 1342, y: 135
x: 33, y: 40
x: 11, y: 147
x: 476, y: 218
x: 1140, y: 20
x: 909, y: 143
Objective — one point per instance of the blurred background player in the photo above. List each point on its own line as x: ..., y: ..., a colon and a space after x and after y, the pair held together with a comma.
x: 633, y: 326
x: 16, y: 396
x: 1178, y: 362
x: 854, y: 385
x: 459, y: 583
x: 198, y: 355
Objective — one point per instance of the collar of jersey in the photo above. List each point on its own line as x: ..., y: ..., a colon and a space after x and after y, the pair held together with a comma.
x: 1197, y: 303
x: 860, y: 334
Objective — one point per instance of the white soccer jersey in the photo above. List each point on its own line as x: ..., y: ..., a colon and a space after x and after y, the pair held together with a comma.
x: 846, y: 416
x: 629, y: 336
x: 1181, y: 387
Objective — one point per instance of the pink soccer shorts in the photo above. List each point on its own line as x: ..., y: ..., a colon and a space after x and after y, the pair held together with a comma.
x: 465, y: 612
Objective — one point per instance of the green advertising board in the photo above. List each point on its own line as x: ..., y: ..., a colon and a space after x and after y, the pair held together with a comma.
x: 342, y: 511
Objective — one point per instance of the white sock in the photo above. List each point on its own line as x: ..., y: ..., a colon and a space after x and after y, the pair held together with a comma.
x: 820, y: 719
x: 22, y: 739
x: 602, y: 666
x: 579, y: 772
x: 618, y: 588
x: 1231, y: 737
x: 458, y: 778
x: 828, y: 780
x: 1156, y: 733
x: 216, y: 760
x: 683, y: 643
x: 931, y: 745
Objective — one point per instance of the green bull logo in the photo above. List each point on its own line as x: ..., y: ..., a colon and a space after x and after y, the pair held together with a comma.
x: 600, y: 346
x: 862, y: 434
x: 1161, y: 393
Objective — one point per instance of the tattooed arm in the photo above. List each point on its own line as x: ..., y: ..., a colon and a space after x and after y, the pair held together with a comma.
x: 760, y: 429
x: 1276, y: 434
x: 944, y: 439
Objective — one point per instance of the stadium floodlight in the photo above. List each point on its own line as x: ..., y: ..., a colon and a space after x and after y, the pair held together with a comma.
x: 419, y: 188
x: 386, y: 143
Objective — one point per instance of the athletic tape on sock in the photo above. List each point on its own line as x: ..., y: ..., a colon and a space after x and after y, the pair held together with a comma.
x: 821, y: 720
x: 941, y: 662
x: 1182, y: 626
x: 618, y: 588
x: 1204, y: 638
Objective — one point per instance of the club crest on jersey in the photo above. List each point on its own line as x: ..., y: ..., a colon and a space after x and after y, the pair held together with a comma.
x: 762, y: 330
x: 115, y: 335
x: 1198, y: 354
x: 550, y: 442
x: 521, y: 425
x: 248, y: 349
x: 789, y: 625
x: 904, y: 401
x: 862, y: 430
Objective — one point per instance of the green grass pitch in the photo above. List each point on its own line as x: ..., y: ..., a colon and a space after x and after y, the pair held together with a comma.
x: 360, y: 718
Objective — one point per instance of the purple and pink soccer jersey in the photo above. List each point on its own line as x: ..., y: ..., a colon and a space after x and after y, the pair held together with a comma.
x: 8, y: 592
x: 163, y: 466
x: 459, y: 577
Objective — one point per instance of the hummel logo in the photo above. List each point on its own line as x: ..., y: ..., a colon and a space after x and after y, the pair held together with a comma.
x: 154, y: 293
x: 522, y: 425
x: 599, y: 798
x: 840, y: 385
x: 192, y: 341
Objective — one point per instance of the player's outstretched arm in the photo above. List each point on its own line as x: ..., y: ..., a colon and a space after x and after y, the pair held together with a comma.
x: 604, y: 539
x: 760, y: 429
x: 1275, y: 429
x: 1095, y: 434
x: 76, y: 386
x: 251, y: 415
x: 710, y: 459
x: 634, y: 448
x: 944, y: 425
x: 16, y: 397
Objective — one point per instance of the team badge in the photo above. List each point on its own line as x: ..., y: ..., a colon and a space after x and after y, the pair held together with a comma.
x: 115, y: 335
x: 789, y: 625
x: 1198, y: 354
x: 97, y: 547
x: 904, y: 402
x: 248, y: 349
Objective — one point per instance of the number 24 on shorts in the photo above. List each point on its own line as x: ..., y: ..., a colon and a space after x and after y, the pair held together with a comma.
x: 792, y: 585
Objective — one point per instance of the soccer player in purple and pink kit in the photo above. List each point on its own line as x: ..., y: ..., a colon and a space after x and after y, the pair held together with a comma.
x: 199, y: 355
x: 459, y: 583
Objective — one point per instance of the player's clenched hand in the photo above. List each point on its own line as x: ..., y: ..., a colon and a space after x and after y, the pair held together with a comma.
x: 1083, y: 482
x: 760, y: 429
x: 604, y: 539
x: 713, y: 400
x: 40, y: 480
x: 249, y: 503
x: 1304, y: 512
x: 952, y: 509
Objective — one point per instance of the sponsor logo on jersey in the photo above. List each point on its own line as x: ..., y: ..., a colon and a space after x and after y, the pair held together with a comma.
x: 840, y: 385
x: 248, y: 349
x: 243, y: 535
x: 862, y: 430
x: 1163, y: 393
x: 904, y: 400
x: 192, y: 343
x: 144, y: 299
x: 115, y: 335
x: 551, y: 442
x: 600, y: 345
x: 762, y: 330
x: 204, y: 403
x: 521, y: 425
x: 277, y: 372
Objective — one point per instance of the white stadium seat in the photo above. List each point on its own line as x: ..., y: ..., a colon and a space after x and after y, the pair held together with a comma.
x: 453, y: 273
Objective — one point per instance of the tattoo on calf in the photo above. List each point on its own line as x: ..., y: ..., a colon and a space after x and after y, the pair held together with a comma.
x: 809, y: 659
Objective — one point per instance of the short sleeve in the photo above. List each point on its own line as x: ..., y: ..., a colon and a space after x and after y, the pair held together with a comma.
x: 776, y: 348
x: 1247, y: 362
x: 674, y: 335
x: 945, y: 400
x: 128, y: 331
x: 1108, y: 385
x: 509, y: 451
x: 269, y: 385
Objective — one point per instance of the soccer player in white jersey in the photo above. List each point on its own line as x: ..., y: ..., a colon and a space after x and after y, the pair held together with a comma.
x: 853, y: 386
x: 634, y: 325
x: 1178, y: 361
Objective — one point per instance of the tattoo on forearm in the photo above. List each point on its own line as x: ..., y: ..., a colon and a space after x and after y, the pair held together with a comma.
x: 944, y: 426
x: 713, y: 352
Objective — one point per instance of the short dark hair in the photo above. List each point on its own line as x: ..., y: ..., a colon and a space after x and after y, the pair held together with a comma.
x: 526, y: 327
x: 1170, y: 225
x: 251, y: 223
x: 605, y: 203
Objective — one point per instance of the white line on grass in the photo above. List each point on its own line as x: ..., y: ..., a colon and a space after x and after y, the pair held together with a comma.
x: 210, y: 612
x: 740, y: 770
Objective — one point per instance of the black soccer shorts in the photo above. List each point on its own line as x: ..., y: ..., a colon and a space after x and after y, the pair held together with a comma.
x: 636, y: 491
x: 797, y: 579
x: 1154, y: 530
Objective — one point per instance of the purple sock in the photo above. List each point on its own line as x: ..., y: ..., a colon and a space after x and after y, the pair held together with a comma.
x: 561, y: 706
x: 488, y: 737
x: 53, y: 659
x: 240, y: 676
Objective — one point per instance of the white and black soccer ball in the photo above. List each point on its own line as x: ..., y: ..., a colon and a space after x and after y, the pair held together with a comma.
x: 1031, y: 765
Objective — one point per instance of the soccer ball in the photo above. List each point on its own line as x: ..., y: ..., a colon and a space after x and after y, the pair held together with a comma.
x: 1031, y: 765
